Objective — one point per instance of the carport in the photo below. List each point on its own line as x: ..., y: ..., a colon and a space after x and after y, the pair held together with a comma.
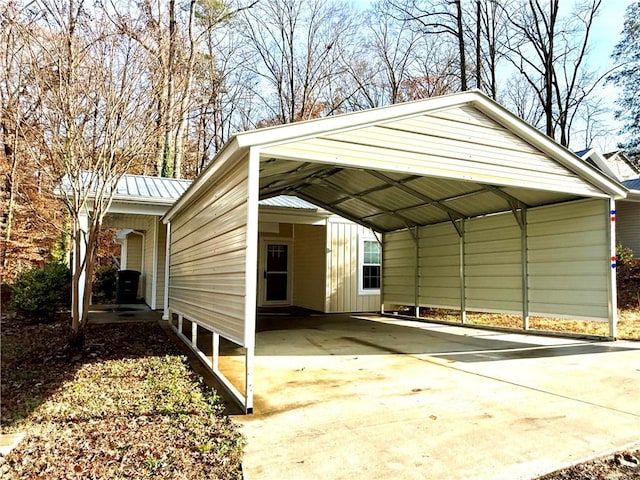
x: 477, y: 210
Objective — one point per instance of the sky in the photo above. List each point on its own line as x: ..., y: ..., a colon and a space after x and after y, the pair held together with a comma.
x: 605, y: 35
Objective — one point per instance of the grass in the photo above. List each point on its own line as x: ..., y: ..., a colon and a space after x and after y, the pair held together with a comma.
x: 628, y: 322
x: 129, y: 407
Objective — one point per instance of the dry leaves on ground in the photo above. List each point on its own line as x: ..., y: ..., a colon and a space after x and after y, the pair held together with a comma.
x: 128, y: 407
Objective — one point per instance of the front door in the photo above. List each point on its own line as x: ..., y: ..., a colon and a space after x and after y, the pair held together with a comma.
x: 276, y: 273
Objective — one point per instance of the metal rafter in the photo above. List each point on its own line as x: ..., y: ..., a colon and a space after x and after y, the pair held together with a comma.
x: 421, y: 196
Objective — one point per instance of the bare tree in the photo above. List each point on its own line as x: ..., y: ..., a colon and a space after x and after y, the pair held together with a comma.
x: 93, y: 106
x: 438, y: 17
x: 549, y: 52
x: 297, y: 46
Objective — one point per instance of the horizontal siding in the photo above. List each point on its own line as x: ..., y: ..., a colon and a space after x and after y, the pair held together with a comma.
x: 208, y: 262
x: 439, y: 260
x: 398, y: 267
x: 490, y: 242
x: 628, y: 225
x: 568, y: 260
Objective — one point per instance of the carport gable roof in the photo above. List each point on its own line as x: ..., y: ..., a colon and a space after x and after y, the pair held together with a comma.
x: 417, y: 163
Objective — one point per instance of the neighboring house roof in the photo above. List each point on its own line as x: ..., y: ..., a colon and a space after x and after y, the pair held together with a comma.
x: 410, y: 164
x: 633, y: 184
x: 594, y: 158
x: 153, y: 189
x: 163, y: 192
x: 288, y: 201
x: 623, y: 167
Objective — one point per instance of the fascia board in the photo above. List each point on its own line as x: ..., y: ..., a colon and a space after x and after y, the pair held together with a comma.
x: 230, y: 153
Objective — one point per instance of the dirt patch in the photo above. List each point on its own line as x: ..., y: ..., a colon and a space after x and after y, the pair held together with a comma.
x: 621, y: 466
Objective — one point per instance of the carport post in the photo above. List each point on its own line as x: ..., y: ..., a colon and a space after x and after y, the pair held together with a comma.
x: 613, y: 302
x: 525, y: 269
x: 463, y: 292
x: 415, y: 234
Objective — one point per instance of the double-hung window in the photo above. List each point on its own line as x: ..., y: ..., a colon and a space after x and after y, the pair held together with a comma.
x: 370, y: 266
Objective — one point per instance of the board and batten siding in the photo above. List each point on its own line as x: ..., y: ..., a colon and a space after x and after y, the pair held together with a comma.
x: 569, y: 259
x: 493, y: 264
x: 309, y: 269
x: 628, y: 225
x: 343, y: 241
x: 208, y: 262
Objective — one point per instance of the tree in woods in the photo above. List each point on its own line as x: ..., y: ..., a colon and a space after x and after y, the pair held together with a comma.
x: 296, y: 47
x: 93, y: 108
x: 627, y: 54
x: 31, y: 215
x: 443, y: 18
x: 549, y: 50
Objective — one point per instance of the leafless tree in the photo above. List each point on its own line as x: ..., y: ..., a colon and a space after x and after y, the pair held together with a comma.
x: 438, y: 17
x: 93, y: 107
x: 549, y: 51
x: 297, y: 47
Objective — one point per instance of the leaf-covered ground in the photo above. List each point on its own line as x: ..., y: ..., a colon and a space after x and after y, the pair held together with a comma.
x: 128, y: 407
x: 621, y: 466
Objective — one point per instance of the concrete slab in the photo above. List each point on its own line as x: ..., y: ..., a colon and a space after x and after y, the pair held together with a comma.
x: 378, y: 398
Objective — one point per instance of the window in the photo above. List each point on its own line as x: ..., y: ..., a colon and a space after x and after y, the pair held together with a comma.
x: 370, y: 266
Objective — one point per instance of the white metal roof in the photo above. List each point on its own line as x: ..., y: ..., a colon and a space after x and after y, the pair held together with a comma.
x: 150, y: 189
x: 416, y: 163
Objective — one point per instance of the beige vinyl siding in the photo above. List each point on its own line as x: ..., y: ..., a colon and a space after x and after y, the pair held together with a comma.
x: 343, y: 269
x: 569, y: 260
x: 208, y: 263
x: 493, y: 264
x: 309, y: 270
x: 439, y: 274
x: 459, y: 143
x: 628, y: 225
x: 398, y: 268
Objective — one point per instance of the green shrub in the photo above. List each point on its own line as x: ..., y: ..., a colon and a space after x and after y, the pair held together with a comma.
x: 38, y: 293
x: 104, y: 285
x: 624, y: 255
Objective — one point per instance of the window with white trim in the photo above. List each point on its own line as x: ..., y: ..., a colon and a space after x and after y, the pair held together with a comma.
x: 370, y: 266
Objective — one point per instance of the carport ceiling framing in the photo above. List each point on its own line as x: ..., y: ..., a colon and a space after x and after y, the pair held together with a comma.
x: 383, y: 201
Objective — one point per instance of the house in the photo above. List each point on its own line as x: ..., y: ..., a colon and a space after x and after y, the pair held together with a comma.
x: 617, y: 166
x: 335, y: 263
x: 474, y: 210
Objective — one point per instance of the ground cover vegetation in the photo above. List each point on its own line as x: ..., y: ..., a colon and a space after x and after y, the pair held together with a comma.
x: 128, y: 406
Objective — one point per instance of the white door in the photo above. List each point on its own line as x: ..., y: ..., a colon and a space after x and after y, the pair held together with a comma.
x: 276, y: 277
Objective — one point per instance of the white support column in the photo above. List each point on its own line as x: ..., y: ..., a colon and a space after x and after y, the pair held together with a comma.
x: 215, y: 349
x: 167, y: 264
x: 154, y: 267
x: 612, y: 286
x: 382, y: 275
x: 83, y: 224
x: 194, y: 334
x: 249, y: 379
x: 251, y: 264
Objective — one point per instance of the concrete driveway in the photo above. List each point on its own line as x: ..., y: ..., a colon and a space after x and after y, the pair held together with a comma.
x: 339, y: 397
